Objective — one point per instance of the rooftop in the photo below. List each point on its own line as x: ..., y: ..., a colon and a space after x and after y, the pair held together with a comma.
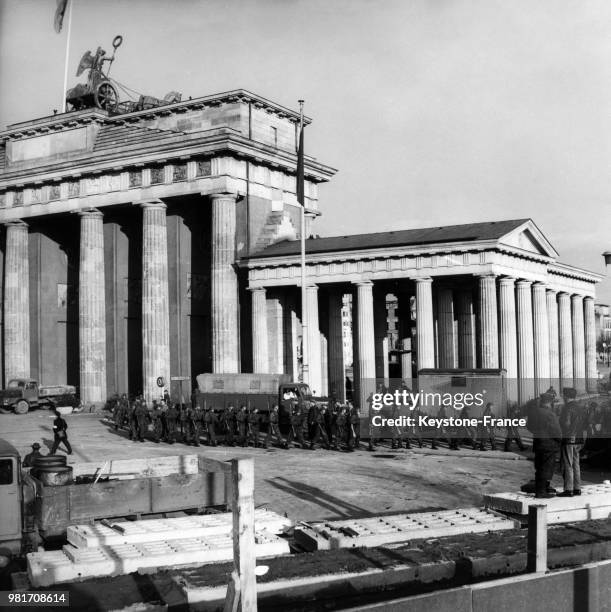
x: 468, y: 232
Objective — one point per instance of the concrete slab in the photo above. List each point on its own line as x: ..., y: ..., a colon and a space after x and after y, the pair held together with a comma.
x: 382, y: 530
x: 592, y: 496
x: 111, y: 532
x: 74, y: 564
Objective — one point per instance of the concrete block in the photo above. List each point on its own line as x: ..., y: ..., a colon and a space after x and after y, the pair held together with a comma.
x: 131, y: 532
x: 382, y: 530
x: 73, y: 564
x: 592, y: 496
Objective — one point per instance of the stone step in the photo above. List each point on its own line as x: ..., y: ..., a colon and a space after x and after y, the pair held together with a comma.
x: 379, y: 530
x: 73, y: 564
x: 594, y: 502
x: 110, y: 533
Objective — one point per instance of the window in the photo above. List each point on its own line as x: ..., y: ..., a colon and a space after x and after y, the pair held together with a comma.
x: 6, y: 471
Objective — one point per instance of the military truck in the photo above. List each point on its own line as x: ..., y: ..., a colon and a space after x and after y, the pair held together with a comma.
x: 21, y: 394
x: 261, y: 391
x: 32, y: 513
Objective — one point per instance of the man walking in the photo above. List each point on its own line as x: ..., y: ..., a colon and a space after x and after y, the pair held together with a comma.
x: 60, y: 434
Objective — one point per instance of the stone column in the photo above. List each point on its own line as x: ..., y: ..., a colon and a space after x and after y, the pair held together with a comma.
x: 552, y: 327
x: 565, y: 335
x: 365, y: 366
x: 590, y: 344
x: 337, y: 372
x: 445, y: 317
x: 313, y: 341
x: 526, y: 360
x: 425, y: 334
x: 579, y: 350
x: 466, y: 330
x: 405, y: 335
x: 275, y: 335
x: 92, y: 309
x: 380, y: 323
x: 225, y: 323
x: 488, y: 322
x: 508, y: 342
x: 16, y: 302
x: 541, y: 338
x: 260, y: 357
x: 155, y: 299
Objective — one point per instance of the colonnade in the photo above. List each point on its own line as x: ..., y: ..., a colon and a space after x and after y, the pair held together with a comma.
x: 155, y: 298
x: 540, y: 335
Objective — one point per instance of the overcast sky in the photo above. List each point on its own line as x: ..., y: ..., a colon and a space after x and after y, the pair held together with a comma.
x: 434, y: 112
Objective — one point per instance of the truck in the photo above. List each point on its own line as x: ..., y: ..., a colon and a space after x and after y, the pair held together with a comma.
x: 261, y: 391
x: 34, y: 514
x: 21, y: 394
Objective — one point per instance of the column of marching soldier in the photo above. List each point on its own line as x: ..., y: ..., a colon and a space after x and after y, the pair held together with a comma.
x: 334, y: 426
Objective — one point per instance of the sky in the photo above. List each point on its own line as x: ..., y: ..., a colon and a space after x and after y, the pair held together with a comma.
x: 434, y: 112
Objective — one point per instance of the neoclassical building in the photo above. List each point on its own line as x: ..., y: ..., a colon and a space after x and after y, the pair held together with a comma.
x: 164, y: 243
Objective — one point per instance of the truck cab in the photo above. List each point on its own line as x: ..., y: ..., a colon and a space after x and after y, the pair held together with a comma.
x: 11, y: 502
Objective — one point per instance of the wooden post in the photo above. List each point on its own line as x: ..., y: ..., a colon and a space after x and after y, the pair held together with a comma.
x: 537, y: 539
x: 243, y: 488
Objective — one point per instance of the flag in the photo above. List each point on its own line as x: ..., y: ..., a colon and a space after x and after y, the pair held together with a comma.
x: 300, y: 169
x: 59, y: 14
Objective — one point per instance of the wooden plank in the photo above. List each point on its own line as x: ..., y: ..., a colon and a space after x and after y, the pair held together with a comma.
x: 182, y: 491
x: 213, y: 465
x: 244, y: 558
x: 114, y: 498
x: 148, y: 466
x: 232, y: 600
x: 537, y: 539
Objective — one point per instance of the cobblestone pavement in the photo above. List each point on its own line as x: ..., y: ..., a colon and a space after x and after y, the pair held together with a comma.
x: 313, y: 485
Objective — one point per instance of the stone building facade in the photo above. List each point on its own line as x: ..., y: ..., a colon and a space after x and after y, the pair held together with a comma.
x: 122, y: 235
x: 162, y: 243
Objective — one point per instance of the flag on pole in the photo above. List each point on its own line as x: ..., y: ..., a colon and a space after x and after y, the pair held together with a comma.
x: 300, y: 169
x: 59, y: 15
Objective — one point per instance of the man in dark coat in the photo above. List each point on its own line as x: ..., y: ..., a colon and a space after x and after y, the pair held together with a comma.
x: 574, y: 424
x: 28, y: 460
x: 142, y: 418
x: 544, y: 425
x: 170, y: 416
x: 273, y: 428
x: 210, y: 425
x: 242, y: 424
x: 60, y: 434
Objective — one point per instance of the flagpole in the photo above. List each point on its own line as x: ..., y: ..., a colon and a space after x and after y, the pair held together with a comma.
x: 305, y: 361
x: 63, y: 105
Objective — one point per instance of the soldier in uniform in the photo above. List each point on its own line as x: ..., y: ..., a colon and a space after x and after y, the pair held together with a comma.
x: 273, y: 428
x: 486, y: 432
x: 170, y: 415
x: 210, y: 425
x: 229, y: 421
x: 318, y: 430
x: 512, y: 432
x: 122, y: 410
x: 157, y: 422
x: 194, y: 420
x: 141, y: 415
x: 242, y: 423
x: 131, y: 419
x: 467, y: 431
x: 254, y: 426
x: 353, y: 427
x: 297, y: 422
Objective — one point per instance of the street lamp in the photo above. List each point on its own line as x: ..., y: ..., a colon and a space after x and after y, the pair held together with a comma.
x: 607, y: 258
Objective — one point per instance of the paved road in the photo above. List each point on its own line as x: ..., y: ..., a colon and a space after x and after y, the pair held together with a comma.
x: 313, y: 485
